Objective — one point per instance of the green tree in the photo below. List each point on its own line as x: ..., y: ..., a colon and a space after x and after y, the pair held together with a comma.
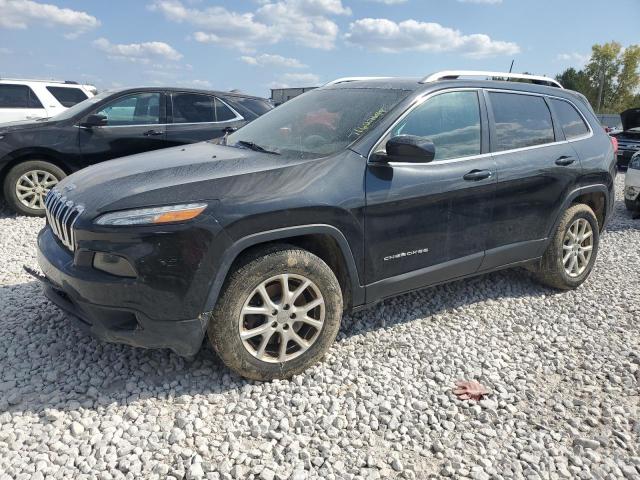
x: 610, y: 80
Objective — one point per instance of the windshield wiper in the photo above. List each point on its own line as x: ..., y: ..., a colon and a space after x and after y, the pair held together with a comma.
x: 255, y: 147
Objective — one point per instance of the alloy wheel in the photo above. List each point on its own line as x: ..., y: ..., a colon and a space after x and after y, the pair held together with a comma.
x: 282, y: 318
x: 577, y: 247
x: 32, y: 188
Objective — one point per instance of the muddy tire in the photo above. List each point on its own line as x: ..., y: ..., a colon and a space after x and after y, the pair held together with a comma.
x: 27, y: 183
x: 572, y: 252
x: 278, y: 314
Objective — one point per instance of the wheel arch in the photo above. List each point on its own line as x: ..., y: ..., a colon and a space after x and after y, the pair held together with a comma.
x: 325, y: 241
x: 26, y: 154
x: 597, y: 197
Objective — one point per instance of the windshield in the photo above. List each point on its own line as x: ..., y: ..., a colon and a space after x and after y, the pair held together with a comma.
x: 80, y: 107
x: 318, y: 123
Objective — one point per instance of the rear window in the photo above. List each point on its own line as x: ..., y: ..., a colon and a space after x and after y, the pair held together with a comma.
x: 18, y: 96
x: 255, y: 105
x: 571, y: 121
x: 67, y: 96
x: 520, y: 121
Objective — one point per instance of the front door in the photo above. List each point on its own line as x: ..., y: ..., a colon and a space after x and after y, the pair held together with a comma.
x: 196, y: 117
x: 135, y: 124
x: 428, y: 222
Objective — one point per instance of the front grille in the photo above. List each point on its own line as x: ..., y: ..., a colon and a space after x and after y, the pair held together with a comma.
x: 61, y: 216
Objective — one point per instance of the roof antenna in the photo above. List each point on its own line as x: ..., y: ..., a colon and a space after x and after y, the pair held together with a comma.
x: 511, y: 67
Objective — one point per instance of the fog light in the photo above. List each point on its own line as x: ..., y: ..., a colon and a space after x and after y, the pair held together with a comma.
x: 113, y: 264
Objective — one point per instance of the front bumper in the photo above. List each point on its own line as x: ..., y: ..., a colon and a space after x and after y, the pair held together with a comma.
x: 106, y: 306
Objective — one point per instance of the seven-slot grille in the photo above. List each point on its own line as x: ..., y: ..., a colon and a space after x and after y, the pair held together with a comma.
x: 61, y: 215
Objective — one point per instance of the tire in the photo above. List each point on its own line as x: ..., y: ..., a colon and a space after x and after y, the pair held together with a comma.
x: 33, y: 173
x: 552, y: 271
x: 242, y: 293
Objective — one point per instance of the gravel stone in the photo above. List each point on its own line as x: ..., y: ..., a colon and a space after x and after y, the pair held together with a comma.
x: 563, y: 369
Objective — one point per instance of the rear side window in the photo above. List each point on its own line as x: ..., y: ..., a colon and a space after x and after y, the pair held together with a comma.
x: 18, y: 96
x: 450, y: 120
x: 572, y: 123
x: 223, y: 113
x: 67, y: 96
x: 193, y: 108
x: 520, y: 121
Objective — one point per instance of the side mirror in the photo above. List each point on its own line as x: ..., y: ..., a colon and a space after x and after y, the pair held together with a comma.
x: 410, y: 148
x: 94, y: 120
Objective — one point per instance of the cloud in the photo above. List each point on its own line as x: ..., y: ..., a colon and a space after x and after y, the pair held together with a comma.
x: 385, y: 35
x: 573, y: 58
x: 389, y: 2
x: 268, y: 60
x: 137, y: 52
x: 5, y: 51
x: 301, y: 79
x: 19, y: 14
x: 305, y: 22
x: 486, y: 2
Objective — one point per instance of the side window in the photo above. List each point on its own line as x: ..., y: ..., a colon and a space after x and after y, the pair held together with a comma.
x: 192, y: 108
x: 521, y: 121
x: 133, y: 109
x: 572, y: 123
x: 223, y: 113
x: 67, y: 96
x: 450, y: 120
x: 18, y: 96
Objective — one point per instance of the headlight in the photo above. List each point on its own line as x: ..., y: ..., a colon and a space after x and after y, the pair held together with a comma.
x: 153, y: 216
x: 635, y: 161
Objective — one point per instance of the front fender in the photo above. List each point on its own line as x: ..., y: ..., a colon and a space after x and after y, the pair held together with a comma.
x: 231, y: 254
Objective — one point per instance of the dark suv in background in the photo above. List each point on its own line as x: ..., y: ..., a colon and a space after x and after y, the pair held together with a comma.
x: 338, y: 199
x: 36, y: 155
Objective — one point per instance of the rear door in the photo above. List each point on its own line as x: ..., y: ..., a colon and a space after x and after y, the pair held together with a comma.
x: 135, y: 124
x: 195, y: 117
x: 428, y: 222
x: 19, y: 102
x: 536, y: 169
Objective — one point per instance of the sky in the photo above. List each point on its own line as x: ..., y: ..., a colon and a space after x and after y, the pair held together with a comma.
x: 255, y: 45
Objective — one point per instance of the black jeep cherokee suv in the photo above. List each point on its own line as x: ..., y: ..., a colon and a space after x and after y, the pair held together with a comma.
x: 342, y: 197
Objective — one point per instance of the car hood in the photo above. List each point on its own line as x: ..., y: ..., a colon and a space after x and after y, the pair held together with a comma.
x: 630, y: 119
x: 8, y: 127
x: 163, y: 177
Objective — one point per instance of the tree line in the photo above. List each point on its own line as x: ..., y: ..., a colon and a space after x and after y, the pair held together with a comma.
x: 610, y: 79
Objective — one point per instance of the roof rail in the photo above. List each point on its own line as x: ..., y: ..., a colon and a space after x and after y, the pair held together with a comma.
x: 47, y: 80
x: 453, y: 74
x: 352, y: 79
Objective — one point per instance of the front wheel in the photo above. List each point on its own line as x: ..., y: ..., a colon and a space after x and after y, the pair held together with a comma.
x: 571, y: 254
x: 27, y: 184
x: 279, y: 313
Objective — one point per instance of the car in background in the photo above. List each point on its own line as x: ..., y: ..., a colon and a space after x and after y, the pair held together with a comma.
x: 632, y: 184
x: 33, y: 99
x: 611, y: 122
x: 629, y: 137
x: 36, y: 155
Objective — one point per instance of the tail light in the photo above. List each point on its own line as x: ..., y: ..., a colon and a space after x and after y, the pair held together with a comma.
x: 614, y: 142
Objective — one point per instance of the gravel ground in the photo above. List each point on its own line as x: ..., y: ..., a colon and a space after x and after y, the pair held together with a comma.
x: 563, y: 370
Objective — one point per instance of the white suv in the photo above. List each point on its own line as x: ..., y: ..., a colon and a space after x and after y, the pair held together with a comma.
x: 33, y: 99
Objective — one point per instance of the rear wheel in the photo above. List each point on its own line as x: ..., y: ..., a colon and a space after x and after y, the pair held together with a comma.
x: 27, y: 184
x: 571, y: 254
x: 279, y: 313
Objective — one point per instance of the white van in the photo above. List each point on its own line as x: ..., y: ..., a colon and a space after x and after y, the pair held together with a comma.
x: 33, y: 99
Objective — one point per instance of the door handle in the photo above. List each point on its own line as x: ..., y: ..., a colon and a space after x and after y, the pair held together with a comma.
x: 152, y: 133
x: 475, y: 175
x: 565, y: 160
